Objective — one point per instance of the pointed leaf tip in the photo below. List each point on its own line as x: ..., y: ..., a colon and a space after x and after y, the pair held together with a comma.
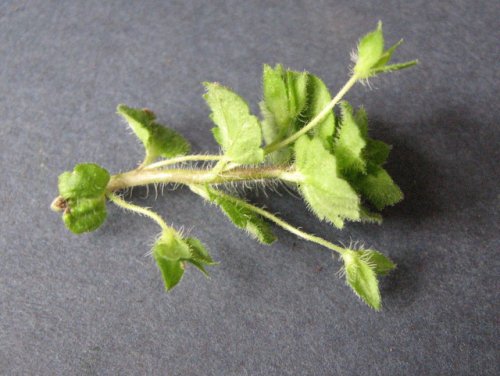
x: 380, y: 263
x: 372, y: 59
x: 171, y: 252
x: 362, y: 279
x: 158, y: 140
x: 370, y: 50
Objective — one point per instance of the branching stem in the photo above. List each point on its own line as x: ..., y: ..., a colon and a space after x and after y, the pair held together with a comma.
x: 200, y: 176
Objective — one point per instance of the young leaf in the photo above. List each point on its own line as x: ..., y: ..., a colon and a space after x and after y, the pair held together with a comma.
x: 275, y: 109
x: 329, y: 196
x: 296, y: 84
x: 237, y: 132
x: 370, y: 50
x: 394, y: 67
x: 199, y: 255
x: 86, y: 181
x: 387, y: 55
x: 361, y: 278
x: 378, y: 187
x: 199, y: 252
x: 318, y: 98
x: 380, y: 263
x: 366, y: 215
x: 83, y: 193
x: 171, y: 270
x: 243, y: 218
x: 158, y: 140
x: 291, y: 100
x: 371, y: 58
x: 84, y: 214
x: 171, y: 252
x: 285, y: 98
x: 376, y: 151
x: 351, y: 140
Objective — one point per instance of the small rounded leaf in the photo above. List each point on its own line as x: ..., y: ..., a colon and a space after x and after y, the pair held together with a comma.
x: 88, y: 180
x: 83, y: 197
x: 85, y: 215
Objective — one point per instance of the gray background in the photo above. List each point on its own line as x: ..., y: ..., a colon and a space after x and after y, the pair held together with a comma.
x: 94, y: 304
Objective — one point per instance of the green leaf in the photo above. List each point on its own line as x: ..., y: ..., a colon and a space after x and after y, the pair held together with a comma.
x: 366, y: 215
x: 362, y: 279
x: 371, y: 57
x: 86, y: 181
x: 199, y: 252
x: 158, y: 140
x: 237, y: 132
x: 376, y: 151
x: 329, y: 196
x: 83, y: 192
x: 242, y: 217
x: 172, y: 247
x: 285, y: 98
x: 351, y: 140
x: 171, y: 252
x: 199, y: 255
x: 296, y: 83
x: 380, y: 263
x: 387, y: 55
x: 370, y: 50
x: 378, y: 188
x: 171, y: 271
x: 395, y: 67
x: 318, y: 98
x: 275, y: 104
x: 84, y: 214
x: 291, y: 100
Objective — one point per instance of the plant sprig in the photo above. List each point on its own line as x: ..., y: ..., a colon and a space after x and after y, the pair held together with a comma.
x: 332, y: 161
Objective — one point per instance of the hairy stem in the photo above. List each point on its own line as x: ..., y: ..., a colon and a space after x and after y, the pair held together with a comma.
x: 280, y: 222
x: 138, y: 209
x: 185, y: 158
x: 314, y: 122
x: 199, y: 176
